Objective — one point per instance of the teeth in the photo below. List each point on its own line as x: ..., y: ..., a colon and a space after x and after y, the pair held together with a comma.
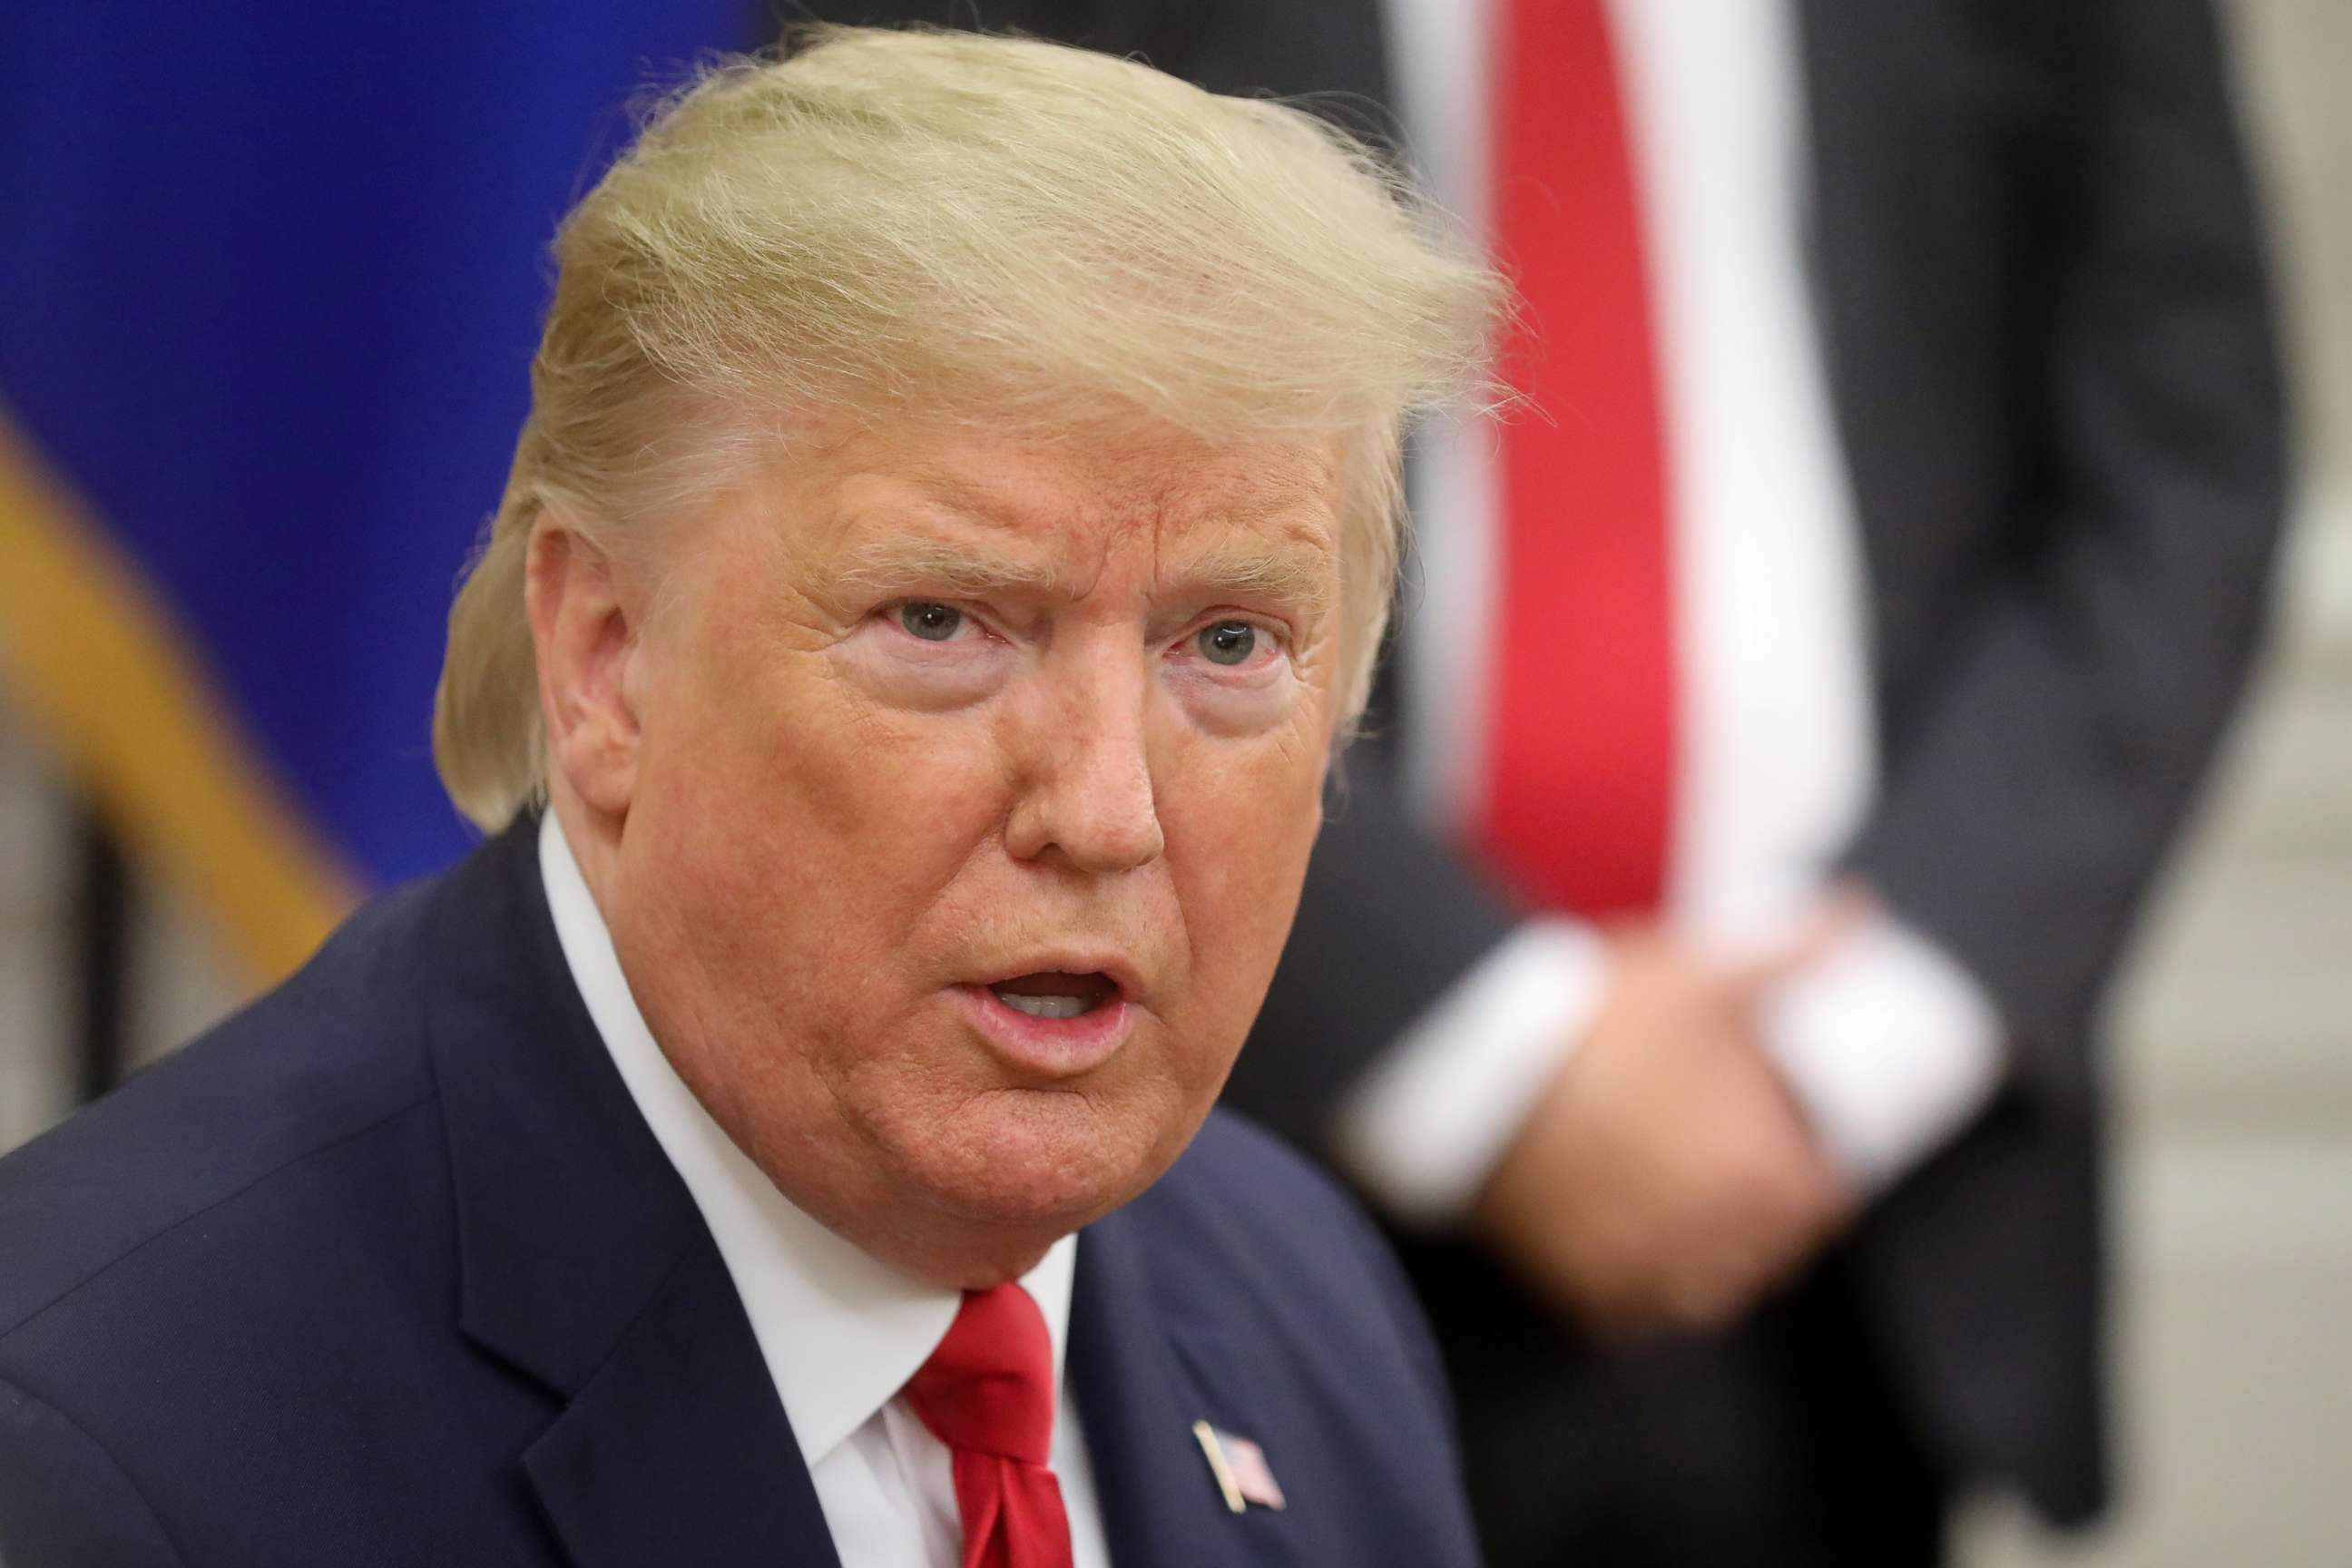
x: 1046, y: 1007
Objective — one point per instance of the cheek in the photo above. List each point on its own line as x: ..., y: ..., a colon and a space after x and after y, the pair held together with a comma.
x: 1240, y: 822
x: 811, y: 828
x: 778, y: 736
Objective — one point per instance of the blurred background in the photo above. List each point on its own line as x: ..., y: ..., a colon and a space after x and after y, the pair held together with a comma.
x: 132, y: 916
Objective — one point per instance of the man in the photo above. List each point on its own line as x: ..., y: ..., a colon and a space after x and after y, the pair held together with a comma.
x: 1851, y: 644
x: 924, y: 602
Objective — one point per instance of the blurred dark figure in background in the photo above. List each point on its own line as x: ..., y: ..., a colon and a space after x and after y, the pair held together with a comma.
x: 1819, y: 677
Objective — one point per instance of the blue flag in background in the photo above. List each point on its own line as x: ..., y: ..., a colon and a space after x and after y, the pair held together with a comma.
x: 271, y: 274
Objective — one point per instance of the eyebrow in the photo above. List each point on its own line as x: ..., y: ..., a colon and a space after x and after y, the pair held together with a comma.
x: 906, y: 561
x: 1296, y: 578
x: 1290, y: 577
x: 1285, y: 575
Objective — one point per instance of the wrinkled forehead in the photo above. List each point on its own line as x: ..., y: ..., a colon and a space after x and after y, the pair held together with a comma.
x: 1069, y: 500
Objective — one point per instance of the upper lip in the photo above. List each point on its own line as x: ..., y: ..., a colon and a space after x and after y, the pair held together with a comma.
x: 1112, y: 966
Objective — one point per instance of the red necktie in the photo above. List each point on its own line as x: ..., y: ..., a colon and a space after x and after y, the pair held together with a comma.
x: 988, y: 1393
x: 1578, y: 782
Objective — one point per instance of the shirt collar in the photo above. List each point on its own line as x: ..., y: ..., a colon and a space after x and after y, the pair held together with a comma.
x: 840, y: 1330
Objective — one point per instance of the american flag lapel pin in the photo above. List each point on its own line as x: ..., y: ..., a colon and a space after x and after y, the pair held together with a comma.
x: 1243, y: 1475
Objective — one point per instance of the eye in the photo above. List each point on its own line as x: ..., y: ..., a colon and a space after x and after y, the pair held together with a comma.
x: 1227, y: 642
x: 931, y: 621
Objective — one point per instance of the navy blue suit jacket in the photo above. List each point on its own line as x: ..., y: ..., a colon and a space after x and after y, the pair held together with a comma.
x: 388, y: 1270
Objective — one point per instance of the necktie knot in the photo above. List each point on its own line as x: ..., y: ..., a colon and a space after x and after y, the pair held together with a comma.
x: 988, y: 1393
x: 988, y: 1387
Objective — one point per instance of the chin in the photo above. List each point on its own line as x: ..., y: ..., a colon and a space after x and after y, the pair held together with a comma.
x: 1039, y: 1161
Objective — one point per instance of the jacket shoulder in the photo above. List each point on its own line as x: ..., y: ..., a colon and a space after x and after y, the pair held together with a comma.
x: 1244, y: 1222
x: 1244, y: 1183
x: 335, y: 1050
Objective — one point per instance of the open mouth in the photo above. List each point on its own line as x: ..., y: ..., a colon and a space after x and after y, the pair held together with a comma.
x: 1052, y: 994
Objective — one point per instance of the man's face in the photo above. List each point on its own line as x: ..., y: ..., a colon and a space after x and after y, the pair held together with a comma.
x: 975, y: 787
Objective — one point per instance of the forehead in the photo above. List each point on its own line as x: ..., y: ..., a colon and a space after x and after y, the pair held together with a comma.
x: 1084, y: 492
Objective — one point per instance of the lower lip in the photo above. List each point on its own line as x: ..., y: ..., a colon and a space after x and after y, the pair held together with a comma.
x: 1049, y: 1048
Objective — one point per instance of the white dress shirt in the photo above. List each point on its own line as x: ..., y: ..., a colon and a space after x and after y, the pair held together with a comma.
x: 840, y: 1332
x: 1887, y: 1042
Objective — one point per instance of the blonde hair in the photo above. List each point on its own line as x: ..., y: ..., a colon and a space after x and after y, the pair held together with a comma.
x: 945, y: 223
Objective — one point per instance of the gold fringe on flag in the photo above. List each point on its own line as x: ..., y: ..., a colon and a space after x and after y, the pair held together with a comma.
x: 98, y: 668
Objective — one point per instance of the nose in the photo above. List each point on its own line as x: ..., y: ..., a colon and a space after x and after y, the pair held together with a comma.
x: 1089, y: 796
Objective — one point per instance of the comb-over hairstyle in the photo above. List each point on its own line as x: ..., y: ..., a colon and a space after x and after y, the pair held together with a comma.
x: 895, y: 225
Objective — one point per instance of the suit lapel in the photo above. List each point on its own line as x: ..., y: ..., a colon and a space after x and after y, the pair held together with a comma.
x: 1140, y: 1383
x: 585, y: 1265
x: 676, y: 1450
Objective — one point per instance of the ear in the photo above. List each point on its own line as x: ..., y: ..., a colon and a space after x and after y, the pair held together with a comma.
x: 586, y: 644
